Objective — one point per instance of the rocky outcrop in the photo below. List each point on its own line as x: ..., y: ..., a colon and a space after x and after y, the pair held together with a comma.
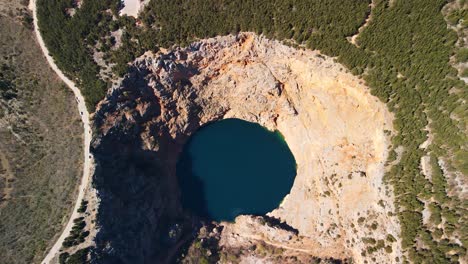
x: 336, y: 130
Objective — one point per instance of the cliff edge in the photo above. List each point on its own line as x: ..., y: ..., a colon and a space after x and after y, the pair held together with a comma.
x: 338, y: 207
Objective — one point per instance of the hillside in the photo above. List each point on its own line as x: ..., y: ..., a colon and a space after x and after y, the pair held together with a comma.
x: 410, y: 55
x: 40, y: 143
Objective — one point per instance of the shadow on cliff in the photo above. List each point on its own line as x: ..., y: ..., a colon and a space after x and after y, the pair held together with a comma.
x: 138, y: 201
x: 140, y: 218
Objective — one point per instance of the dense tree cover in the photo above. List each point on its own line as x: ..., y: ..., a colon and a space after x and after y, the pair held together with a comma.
x: 411, y: 72
x: 403, y: 55
x: 276, y: 18
x: 79, y: 257
x: 316, y: 24
x: 77, y: 235
x: 69, y: 39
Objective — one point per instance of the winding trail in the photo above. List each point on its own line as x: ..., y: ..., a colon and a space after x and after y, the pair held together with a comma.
x: 353, y: 38
x: 88, y: 162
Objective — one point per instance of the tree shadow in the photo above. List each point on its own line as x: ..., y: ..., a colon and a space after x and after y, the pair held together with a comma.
x: 273, y: 221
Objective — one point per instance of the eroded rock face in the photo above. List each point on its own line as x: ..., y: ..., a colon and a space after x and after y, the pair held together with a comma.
x: 333, y: 126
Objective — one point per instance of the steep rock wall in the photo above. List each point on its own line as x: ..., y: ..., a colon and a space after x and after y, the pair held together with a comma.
x: 336, y: 130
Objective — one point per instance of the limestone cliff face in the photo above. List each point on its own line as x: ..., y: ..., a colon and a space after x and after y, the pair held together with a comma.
x: 333, y: 126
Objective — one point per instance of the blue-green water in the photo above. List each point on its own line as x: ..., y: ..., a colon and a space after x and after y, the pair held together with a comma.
x: 235, y: 167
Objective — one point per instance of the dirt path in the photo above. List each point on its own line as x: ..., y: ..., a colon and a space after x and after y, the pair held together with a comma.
x: 88, y: 162
x: 278, y: 245
x: 313, y: 251
x: 353, y: 38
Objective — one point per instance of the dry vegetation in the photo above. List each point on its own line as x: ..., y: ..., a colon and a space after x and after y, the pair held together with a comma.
x: 407, y: 65
x: 40, y: 143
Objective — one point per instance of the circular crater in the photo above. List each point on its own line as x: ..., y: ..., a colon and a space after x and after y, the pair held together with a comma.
x: 337, y: 131
x: 234, y: 167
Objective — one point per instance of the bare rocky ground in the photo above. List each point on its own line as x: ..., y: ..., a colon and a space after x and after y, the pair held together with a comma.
x: 40, y: 143
x: 462, y: 33
x: 338, y: 208
x: 133, y: 7
x: 456, y: 179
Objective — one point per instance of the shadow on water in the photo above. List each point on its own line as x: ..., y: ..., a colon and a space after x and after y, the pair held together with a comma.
x: 196, y: 201
x: 234, y: 167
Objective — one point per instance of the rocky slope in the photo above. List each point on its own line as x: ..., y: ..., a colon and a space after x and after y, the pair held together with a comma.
x: 338, y: 207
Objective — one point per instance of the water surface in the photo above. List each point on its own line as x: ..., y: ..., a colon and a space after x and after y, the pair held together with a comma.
x: 234, y: 167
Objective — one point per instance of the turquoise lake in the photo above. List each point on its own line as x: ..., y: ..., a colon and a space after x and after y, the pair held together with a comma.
x: 234, y: 167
